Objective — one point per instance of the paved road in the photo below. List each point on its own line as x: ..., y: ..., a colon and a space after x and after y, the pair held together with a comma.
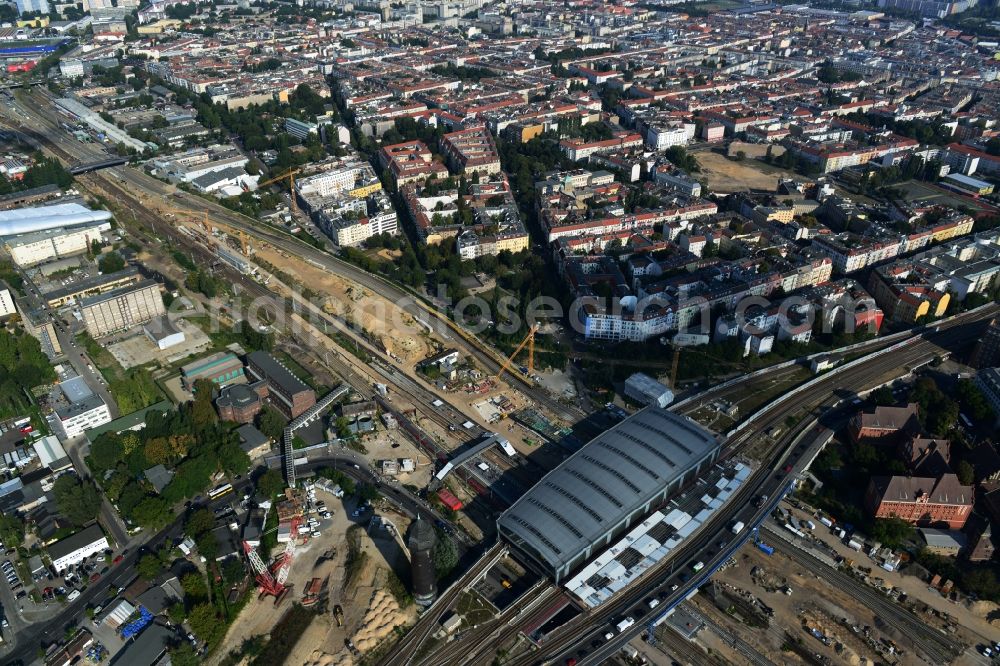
x: 109, y: 518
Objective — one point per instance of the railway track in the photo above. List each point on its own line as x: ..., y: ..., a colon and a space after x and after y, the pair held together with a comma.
x: 490, y: 359
x: 470, y: 646
x: 407, y: 647
x: 938, y: 647
x: 684, y: 651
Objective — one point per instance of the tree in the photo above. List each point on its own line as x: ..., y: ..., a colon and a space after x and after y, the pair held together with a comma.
x: 78, y: 500
x: 153, y: 513
x: 208, y: 545
x: 157, y: 451
x: 271, y: 423
x: 184, y: 654
x: 200, y: 521
x: 176, y: 613
x: 966, y: 474
x: 233, y: 570
x: 206, y: 623
x: 892, y: 532
x: 11, y: 530
x: 111, y: 262
x: 883, y: 396
x: 202, y: 411
x: 149, y: 566
x: 194, y: 587
x: 444, y: 555
x: 271, y: 483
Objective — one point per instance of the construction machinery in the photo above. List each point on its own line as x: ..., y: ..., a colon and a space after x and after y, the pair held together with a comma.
x: 286, y: 558
x: 290, y: 175
x: 529, y: 340
x: 267, y: 583
x: 273, y: 581
x: 202, y: 217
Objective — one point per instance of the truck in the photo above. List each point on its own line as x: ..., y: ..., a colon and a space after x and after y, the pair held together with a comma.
x: 624, y: 624
x: 810, y: 525
x: 737, y: 527
x: 856, y: 545
x: 826, y: 521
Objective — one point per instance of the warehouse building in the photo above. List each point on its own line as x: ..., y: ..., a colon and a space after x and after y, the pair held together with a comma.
x: 38, y: 246
x: 220, y: 368
x: 644, y: 390
x: 73, y: 549
x: 613, y: 481
x: 121, y: 309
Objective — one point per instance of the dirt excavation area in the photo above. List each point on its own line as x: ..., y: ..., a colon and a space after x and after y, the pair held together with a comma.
x: 772, y: 603
x: 401, y: 334
x: 728, y: 175
x: 357, y: 565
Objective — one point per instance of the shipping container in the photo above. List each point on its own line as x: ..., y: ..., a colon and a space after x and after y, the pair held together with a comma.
x: 826, y: 521
x: 766, y: 548
x: 449, y: 500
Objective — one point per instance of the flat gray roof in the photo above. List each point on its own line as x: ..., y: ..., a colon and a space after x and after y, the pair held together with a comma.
x: 115, y: 293
x: 609, y: 478
x: 91, y: 283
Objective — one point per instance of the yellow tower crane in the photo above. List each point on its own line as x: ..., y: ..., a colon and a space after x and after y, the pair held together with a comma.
x: 528, y: 340
x: 290, y: 176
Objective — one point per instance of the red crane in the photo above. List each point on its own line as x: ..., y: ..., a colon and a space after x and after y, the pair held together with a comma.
x: 266, y: 582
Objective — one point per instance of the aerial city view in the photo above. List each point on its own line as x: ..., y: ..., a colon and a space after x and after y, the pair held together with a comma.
x: 500, y: 333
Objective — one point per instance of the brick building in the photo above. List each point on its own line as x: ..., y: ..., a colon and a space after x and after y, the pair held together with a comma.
x: 241, y: 402
x: 883, y: 423
x: 922, y: 501
x: 285, y: 391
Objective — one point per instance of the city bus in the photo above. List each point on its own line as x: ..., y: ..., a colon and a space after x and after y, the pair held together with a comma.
x: 219, y: 491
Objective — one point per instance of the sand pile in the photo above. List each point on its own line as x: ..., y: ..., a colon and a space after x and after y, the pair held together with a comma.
x: 383, y: 615
x: 320, y: 658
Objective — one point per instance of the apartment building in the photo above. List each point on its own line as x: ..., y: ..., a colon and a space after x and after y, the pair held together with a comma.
x: 410, y: 162
x: 471, y: 151
x: 907, y: 291
x: 347, y: 232
x: 77, y: 417
x: 578, y: 149
x: 7, y: 307
x: 122, y: 308
x: 988, y: 381
x: 350, y: 177
x: 92, y: 286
